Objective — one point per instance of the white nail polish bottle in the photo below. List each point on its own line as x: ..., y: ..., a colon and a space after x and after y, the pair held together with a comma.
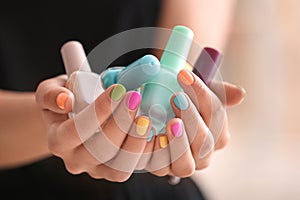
x: 85, y: 85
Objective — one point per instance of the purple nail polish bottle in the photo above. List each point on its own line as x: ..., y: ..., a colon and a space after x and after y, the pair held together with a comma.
x: 207, y: 64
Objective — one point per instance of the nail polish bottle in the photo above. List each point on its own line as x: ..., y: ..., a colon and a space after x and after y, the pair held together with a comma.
x: 85, y: 85
x: 207, y: 64
x: 134, y: 75
x: 157, y: 91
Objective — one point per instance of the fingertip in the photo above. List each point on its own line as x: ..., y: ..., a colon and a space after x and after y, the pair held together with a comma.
x: 235, y: 95
x: 175, y: 128
x: 64, y: 101
x: 142, y: 126
x: 185, y: 77
x: 117, y: 92
x: 180, y: 101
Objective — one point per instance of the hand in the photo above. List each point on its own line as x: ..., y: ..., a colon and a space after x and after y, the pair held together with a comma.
x: 114, y: 151
x: 200, y: 129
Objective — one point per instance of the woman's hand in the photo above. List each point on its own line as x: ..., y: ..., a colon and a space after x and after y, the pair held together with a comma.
x: 106, y: 139
x: 200, y: 129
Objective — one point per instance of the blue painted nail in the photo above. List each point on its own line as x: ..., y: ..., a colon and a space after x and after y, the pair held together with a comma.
x: 181, y: 102
x: 150, y: 136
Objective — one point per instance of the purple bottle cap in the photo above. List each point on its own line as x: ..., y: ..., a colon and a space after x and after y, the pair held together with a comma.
x: 207, y: 64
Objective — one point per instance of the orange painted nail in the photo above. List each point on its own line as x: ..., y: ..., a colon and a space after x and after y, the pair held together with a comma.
x: 186, y: 77
x: 61, y: 100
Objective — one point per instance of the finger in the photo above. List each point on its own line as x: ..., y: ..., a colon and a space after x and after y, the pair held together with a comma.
x: 182, y: 161
x: 160, y: 161
x: 133, y: 146
x: 52, y: 95
x: 199, y: 93
x: 228, y: 93
x: 199, y: 135
x: 106, y: 144
x: 79, y: 160
x: 207, y: 103
x: 145, y: 157
x: 120, y: 168
x: 108, y: 173
x: 76, y: 130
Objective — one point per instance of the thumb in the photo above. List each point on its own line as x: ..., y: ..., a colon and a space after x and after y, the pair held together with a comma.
x: 51, y: 94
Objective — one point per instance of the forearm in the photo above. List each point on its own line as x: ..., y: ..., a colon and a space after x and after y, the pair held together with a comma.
x: 209, y: 19
x: 22, y: 133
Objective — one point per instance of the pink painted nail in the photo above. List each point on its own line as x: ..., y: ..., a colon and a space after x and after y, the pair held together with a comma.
x: 133, y: 100
x: 176, y: 129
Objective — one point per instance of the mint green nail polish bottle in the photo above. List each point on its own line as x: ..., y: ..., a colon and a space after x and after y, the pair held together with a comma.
x: 157, y: 92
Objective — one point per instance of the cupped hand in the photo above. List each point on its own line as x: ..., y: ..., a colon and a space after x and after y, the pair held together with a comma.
x: 105, y: 140
x: 199, y: 129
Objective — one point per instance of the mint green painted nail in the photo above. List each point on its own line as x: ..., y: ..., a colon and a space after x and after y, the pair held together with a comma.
x: 117, y: 92
x: 181, y: 102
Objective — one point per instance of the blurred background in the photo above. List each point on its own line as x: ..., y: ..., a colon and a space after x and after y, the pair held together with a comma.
x: 262, y: 160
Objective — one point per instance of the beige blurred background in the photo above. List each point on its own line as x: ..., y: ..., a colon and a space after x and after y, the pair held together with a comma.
x: 262, y: 160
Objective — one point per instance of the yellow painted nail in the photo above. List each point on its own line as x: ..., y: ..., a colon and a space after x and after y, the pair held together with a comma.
x: 163, y: 141
x: 142, y: 125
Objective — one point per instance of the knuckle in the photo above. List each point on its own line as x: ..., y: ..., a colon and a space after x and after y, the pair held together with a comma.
x: 160, y: 173
x: 73, y: 167
x: 203, y: 164
x: 94, y: 175
x: 117, y: 176
x: 187, y: 171
x: 223, y: 141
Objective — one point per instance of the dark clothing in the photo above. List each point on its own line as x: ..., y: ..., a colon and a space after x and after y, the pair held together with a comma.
x: 31, y: 35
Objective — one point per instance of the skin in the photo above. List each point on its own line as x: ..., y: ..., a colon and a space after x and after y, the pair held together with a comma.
x: 43, y: 128
x: 123, y: 147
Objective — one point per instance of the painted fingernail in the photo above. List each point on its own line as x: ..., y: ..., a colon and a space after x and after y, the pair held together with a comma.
x: 181, y: 102
x: 133, y: 100
x: 176, y: 129
x: 150, y: 136
x: 186, y: 77
x: 142, y: 125
x: 117, y: 92
x: 61, y: 100
x: 163, y: 141
x: 207, y: 145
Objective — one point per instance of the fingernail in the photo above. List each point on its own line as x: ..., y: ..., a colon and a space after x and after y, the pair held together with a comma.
x: 242, y: 90
x: 181, y: 102
x: 142, y: 125
x: 176, y: 129
x: 61, y: 100
x: 163, y: 141
x: 207, y: 145
x: 150, y: 136
x: 133, y: 100
x: 186, y: 77
x: 117, y: 92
